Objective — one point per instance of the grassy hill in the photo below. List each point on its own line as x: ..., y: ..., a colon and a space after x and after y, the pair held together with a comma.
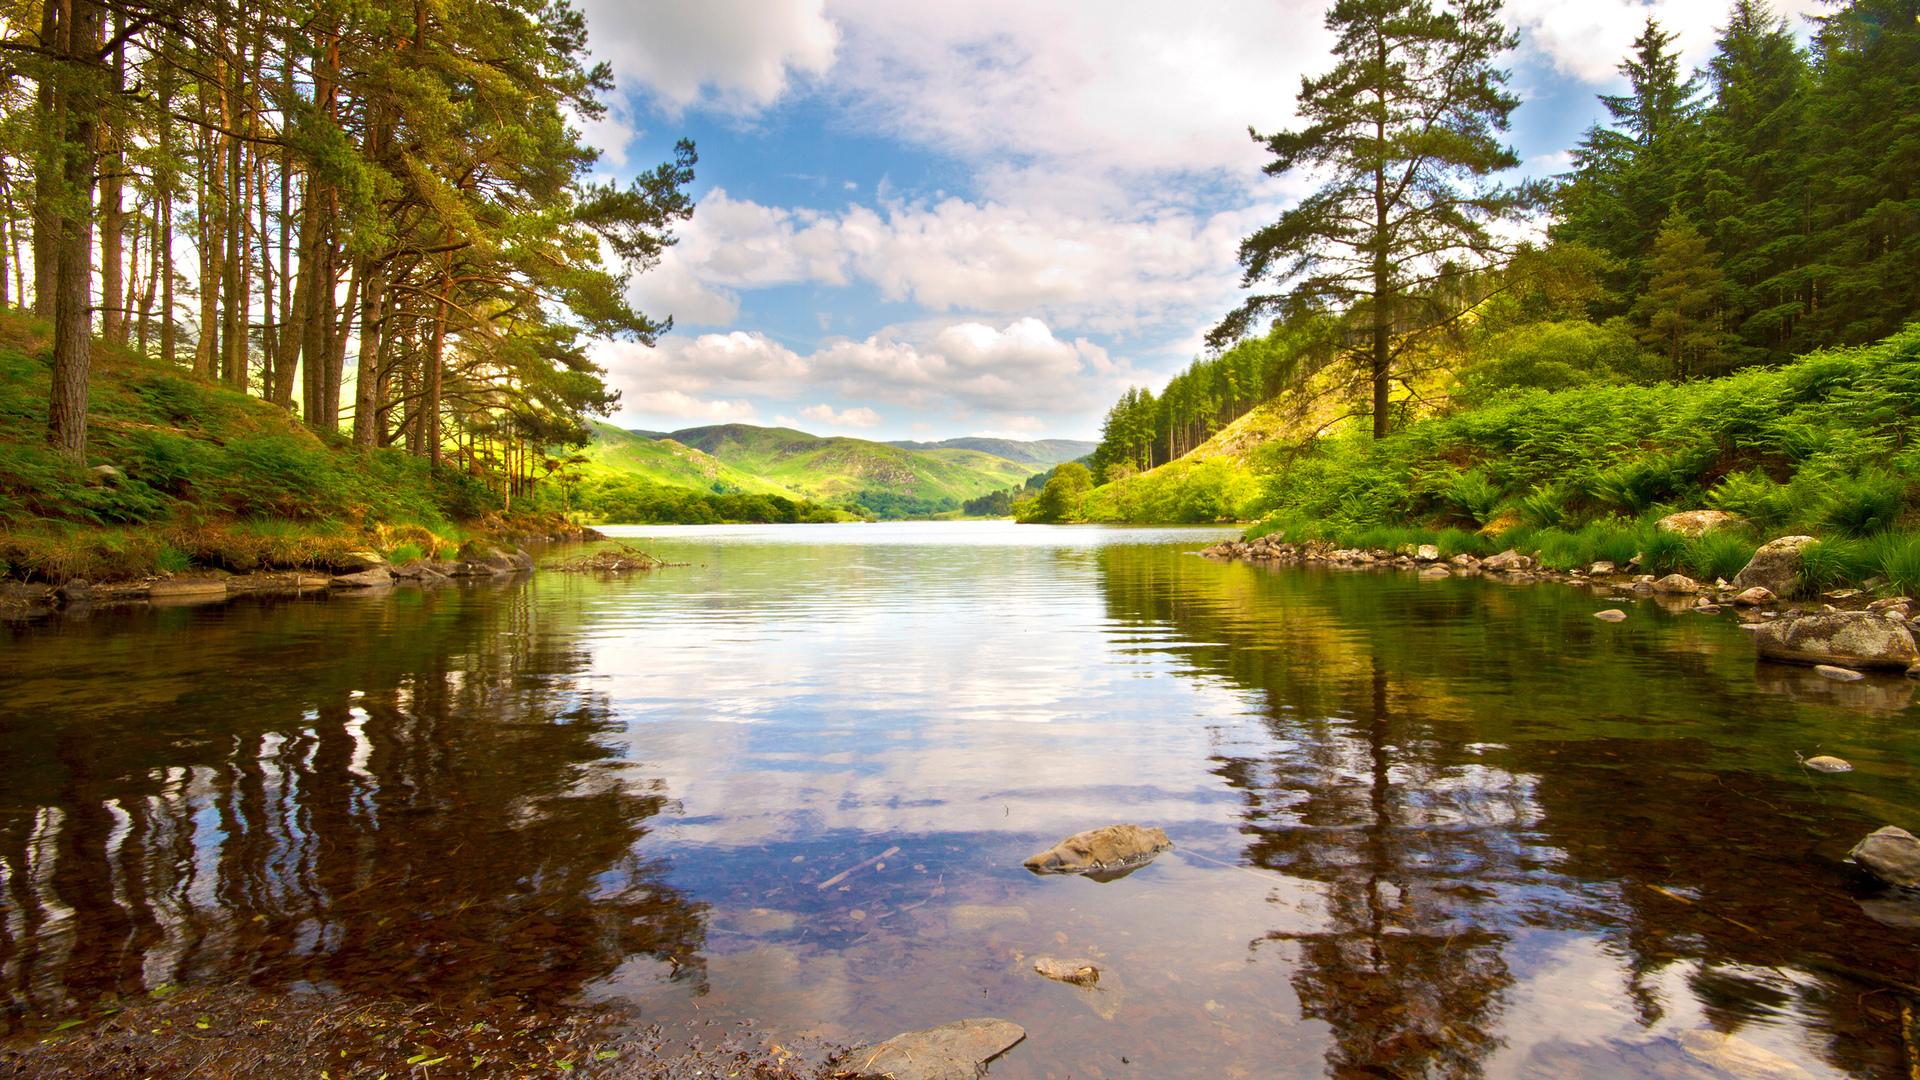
x: 891, y: 481
x: 1040, y: 452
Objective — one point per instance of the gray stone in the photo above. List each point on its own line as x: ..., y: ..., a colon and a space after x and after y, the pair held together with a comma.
x: 1754, y: 597
x: 1506, y: 560
x: 1427, y: 553
x: 1850, y: 639
x: 1699, y: 522
x: 1115, y: 850
x: 353, y: 562
x: 1890, y: 602
x: 76, y: 591
x: 365, y: 579
x: 490, y: 556
x: 1892, y: 855
x: 418, y: 570
x: 1600, y: 568
x: 1677, y: 583
x: 956, y: 1051
x: 1464, y: 562
x: 1776, y: 566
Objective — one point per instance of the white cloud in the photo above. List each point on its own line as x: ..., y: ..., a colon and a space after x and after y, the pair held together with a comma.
x: 1112, y: 273
x: 1587, y: 39
x: 861, y: 417
x: 1014, y: 373
x: 738, y: 56
x: 687, y: 407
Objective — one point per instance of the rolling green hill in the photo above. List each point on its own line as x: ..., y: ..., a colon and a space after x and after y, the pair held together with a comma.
x: 1042, y: 453
x: 890, y: 480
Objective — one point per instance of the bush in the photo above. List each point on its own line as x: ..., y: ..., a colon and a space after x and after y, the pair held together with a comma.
x: 1900, y: 561
x: 1838, y: 561
x: 1545, y: 507
x: 1718, y: 553
x: 1754, y: 496
x: 1473, y: 495
x: 1869, y: 503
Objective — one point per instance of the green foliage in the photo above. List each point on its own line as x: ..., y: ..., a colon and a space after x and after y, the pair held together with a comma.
x: 1473, y: 495
x: 1184, y: 492
x: 1545, y: 507
x: 172, y: 560
x: 406, y: 553
x: 1555, y: 356
x: 1839, y: 560
x: 629, y: 500
x: 1754, y: 496
x: 1718, y: 553
x: 1865, y: 504
x: 1900, y: 562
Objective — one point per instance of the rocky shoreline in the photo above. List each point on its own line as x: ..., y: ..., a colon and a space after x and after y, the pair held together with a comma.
x: 356, y: 571
x: 1851, y: 628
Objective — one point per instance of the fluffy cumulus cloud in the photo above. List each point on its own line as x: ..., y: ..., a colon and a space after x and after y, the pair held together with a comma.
x: 734, y: 55
x: 857, y: 417
x: 1587, y: 39
x: 1108, y: 274
x: 1008, y: 376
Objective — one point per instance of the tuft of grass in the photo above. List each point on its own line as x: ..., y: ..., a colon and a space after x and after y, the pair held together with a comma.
x: 172, y: 559
x: 406, y: 553
x: 1453, y: 542
x: 1866, y: 504
x: 1718, y: 553
x: 1900, y: 561
x: 1838, y: 561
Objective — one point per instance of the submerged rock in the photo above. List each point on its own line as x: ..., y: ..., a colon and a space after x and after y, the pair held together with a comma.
x: 1677, y: 583
x: 1776, y: 566
x: 1079, y: 971
x: 1828, y: 763
x: 1891, y: 854
x: 1103, y: 854
x: 1851, y: 639
x: 1838, y: 674
x: 956, y: 1051
x: 1611, y: 615
x: 1754, y: 597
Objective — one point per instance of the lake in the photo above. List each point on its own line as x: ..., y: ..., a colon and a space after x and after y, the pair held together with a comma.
x: 1453, y: 828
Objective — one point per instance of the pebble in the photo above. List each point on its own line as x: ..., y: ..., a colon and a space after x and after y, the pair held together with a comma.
x: 1828, y: 763
x: 1611, y: 615
x: 1837, y: 674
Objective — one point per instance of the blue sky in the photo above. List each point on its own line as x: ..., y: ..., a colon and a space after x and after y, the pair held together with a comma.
x: 928, y: 220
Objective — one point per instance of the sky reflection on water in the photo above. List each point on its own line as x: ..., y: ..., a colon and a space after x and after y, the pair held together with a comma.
x: 1422, y: 829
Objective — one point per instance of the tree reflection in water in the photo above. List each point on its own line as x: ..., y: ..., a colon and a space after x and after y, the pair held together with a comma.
x: 1461, y: 768
x: 436, y: 812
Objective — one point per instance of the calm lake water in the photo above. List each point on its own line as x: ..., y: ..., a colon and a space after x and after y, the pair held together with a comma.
x: 1441, y: 829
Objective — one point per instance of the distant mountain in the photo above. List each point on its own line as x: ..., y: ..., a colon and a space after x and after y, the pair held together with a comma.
x: 1038, y: 452
x: 891, y: 480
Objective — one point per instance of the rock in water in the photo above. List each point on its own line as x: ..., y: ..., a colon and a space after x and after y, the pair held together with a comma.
x: 1853, y: 639
x: 1837, y: 674
x: 1114, y: 851
x: 1754, y: 597
x: 956, y: 1051
x: 1776, y: 566
x: 1828, y: 763
x: 1677, y: 583
x: 1892, y: 854
x: 1611, y: 615
x: 1078, y: 971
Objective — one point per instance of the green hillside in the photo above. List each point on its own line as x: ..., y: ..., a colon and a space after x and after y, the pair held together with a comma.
x: 1040, y: 452
x: 664, y: 460
x: 887, y: 480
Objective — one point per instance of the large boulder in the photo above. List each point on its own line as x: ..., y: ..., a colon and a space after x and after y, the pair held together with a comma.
x: 1113, y: 851
x: 1892, y: 855
x: 1849, y: 639
x: 494, y: 557
x: 1699, y: 522
x: 956, y: 1051
x: 1776, y: 566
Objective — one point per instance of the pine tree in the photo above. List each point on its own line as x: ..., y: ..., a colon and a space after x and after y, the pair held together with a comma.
x: 1630, y: 173
x: 1681, y: 310
x: 1405, y: 127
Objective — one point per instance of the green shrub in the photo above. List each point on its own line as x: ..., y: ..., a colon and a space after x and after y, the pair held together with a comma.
x: 406, y: 553
x: 1866, y: 504
x: 1545, y: 507
x: 1838, y: 561
x: 1453, y: 542
x: 1754, y: 496
x: 1718, y: 553
x: 1637, y: 486
x: 1900, y: 562
x: 1473, y: 495
x: 1661, y: 552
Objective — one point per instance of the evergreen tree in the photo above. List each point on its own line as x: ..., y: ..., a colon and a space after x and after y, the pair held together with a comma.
x: 1681, y: 310
x: 1630, y: 173
x: 1754, y: 182
x: 1865, y: 168
x: 1405, y: 128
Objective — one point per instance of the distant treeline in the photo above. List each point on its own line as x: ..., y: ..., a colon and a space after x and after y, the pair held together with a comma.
x: 1750, y: 213
x: 626, y: 500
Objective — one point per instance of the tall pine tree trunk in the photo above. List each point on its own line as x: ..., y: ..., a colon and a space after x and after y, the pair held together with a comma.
x: 81, y: 37
x: 49, y: 170
x: 113, y: 316
x: 366, y: 388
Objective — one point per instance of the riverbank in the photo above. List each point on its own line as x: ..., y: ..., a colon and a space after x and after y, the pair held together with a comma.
x: 187, y: 479
x: 231, y: 1033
